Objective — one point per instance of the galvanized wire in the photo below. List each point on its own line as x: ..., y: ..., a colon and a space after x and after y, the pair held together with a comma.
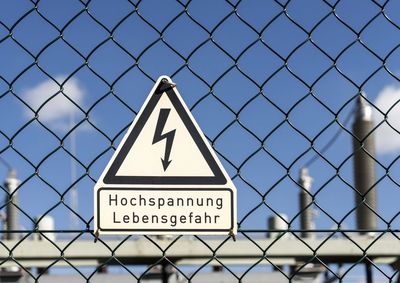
x: 180, y: 66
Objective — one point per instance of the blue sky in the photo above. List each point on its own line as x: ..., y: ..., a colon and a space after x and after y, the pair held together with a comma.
x: 113, y: 84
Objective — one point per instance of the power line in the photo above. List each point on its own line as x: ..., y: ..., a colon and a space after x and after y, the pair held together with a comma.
x: 5, y: 163
x: 332, y: 140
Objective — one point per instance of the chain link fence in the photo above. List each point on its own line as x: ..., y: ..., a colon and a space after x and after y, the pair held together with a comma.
x: 290, y: 94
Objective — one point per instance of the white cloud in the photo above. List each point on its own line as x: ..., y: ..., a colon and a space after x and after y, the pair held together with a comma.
x: 387, y: 139
x: 57, y: 112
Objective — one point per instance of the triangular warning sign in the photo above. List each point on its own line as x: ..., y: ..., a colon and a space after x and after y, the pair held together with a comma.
x: 164, y: 145
x: 164, y: 177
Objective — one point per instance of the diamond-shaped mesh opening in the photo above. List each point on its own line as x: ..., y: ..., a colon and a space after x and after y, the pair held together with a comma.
x: 99, y: 10
x: 356, y: 13
x: 258, y: 15
x: 265, y: 163
x: 160, y: 14
x: 308, y: 63
x: 193, y: 88
x: 245, y: 138
x: 60, y: 13
x: 310, y: 17
x: 109, y: 121
x: 45, y: 192
x: 12, y: 12
x: 358, y: 63
x: 58, y: 49
x: 259, y: 62
x: 316, y: 122
x: 235, y: 43
x: 11, y: 105
x: 325, y: 196
x: 333, y: 134
x: 282, y: 150
x: 274, y: 196
x: 334, y: 89
x: 261, y: 117
x: 84, y: 33
x: 160, y: 59
x: 296, y: 97
x: 202, y: 58
x: 9, y: 51
x: 35, y: 33
x: 52, y: 165
x: 239, y: 94
x: 116, y: 62
x: 284, y: 90
x: 336, y: 40
x: 49, y: 142
x: 134, y: 24
x: 209, y: 13
x: 380, y: 44
x: 281, y: 28
x: 214, y: 109
x: 174, y: 35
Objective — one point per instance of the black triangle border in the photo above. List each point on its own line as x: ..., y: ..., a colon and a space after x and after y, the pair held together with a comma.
x: 111, y: 178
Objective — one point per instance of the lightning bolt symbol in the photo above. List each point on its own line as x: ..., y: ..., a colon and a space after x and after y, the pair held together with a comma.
x: 169, y: 137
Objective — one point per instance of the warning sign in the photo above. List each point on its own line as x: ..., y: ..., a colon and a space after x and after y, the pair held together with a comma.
x: 180, y: 210
x: 164, y: 177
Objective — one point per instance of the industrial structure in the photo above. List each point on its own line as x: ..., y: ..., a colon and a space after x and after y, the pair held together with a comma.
x: 281, y: 248
x: 298, y: 166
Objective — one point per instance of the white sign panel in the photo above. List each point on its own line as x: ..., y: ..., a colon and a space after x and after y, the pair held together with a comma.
x: 164, y: 177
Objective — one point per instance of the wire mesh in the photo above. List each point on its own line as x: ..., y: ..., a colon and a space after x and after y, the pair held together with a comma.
x: 274, y: 86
